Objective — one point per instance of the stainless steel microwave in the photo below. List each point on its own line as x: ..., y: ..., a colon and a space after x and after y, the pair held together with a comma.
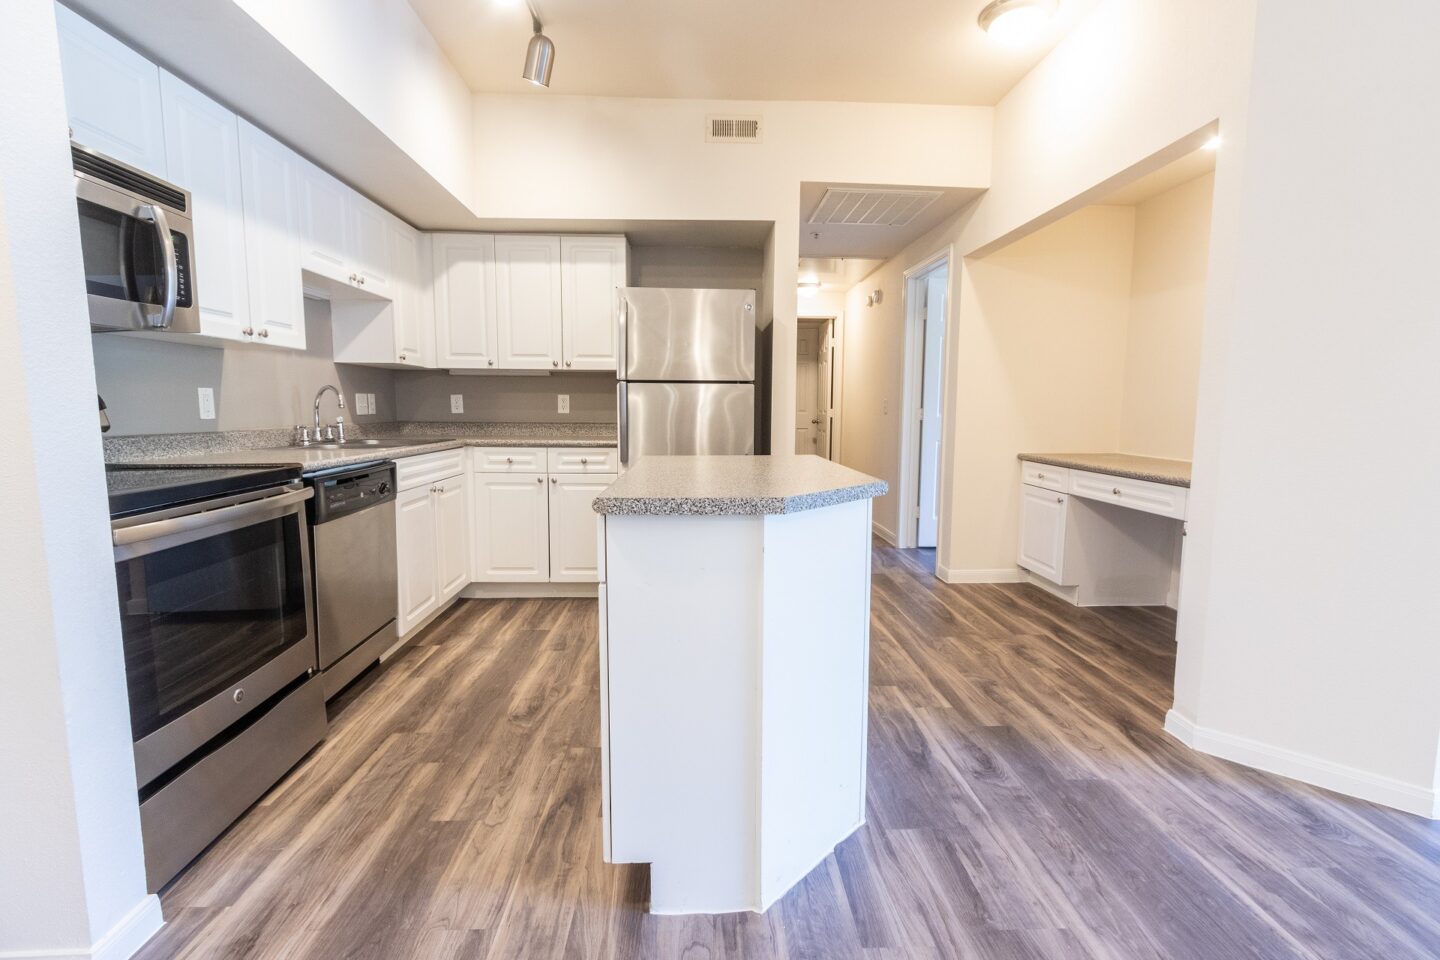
x: 138, y: 244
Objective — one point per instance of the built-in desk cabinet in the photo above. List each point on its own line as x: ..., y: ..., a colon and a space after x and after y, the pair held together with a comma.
x: 1101, y: 540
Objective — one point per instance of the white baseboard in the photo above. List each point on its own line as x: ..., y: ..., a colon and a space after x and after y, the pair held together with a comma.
x: 1353, y: 782
x: 122, y: 942
x: 980, y: 575
x: 506, y: 591
x: 884, y: 533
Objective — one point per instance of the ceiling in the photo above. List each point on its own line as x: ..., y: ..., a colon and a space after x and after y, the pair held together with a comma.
x: 872, y: 241
x: 1168, y: 177
x: 837, y: 272
x: 743, y: 234
x: 902, y: 51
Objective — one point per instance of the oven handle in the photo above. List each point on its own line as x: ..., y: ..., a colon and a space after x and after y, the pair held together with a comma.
x: 131, y: 541
x: 167, y: 258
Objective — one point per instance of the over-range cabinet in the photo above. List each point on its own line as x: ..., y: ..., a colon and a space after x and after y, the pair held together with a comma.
x: 687, y: 373
x: 212, y: 567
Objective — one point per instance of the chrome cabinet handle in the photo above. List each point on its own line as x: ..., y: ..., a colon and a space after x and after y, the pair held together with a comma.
x: 248, y: 331
x: 568, y: 363
x: 402, y: 356
x: 554, y: 480
x: 1116, y: 491
x: 554, y: 363
x: 539, y: 479
x: 584, y: 460
x: 509, y: 459
x: 492, y: 363
x: 265, y: 332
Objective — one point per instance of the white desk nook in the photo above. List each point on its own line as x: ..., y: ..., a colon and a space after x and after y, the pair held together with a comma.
x: 1103, y: 529
x: 734, y: 646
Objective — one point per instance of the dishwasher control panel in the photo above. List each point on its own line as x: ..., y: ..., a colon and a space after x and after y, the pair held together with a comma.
x: 346, y: 491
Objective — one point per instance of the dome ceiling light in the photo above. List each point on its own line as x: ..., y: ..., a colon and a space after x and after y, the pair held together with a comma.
x: 1016, y: 22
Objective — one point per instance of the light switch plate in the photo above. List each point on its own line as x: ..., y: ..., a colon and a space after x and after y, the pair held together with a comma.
x: 562, y: 403
x: 457, y: 403
x: 369, y: 403
x: 207, y: 403
x: 359, y: 404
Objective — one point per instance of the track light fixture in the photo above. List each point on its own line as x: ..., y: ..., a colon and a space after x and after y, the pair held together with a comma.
x: 540, y: 55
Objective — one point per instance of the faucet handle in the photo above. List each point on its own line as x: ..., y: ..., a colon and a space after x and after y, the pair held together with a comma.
x: 340, y: 429
x: 302, y: 435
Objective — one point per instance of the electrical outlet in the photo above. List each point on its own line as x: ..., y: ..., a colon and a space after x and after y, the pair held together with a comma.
x: 358, y: 404
x: 369, y: 403
x: 884, y: 406
x: 207, y: 403
x: 562, y: 403
x: 457, y: 403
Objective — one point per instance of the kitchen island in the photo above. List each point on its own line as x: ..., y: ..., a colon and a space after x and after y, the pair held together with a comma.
x: 734, y: 650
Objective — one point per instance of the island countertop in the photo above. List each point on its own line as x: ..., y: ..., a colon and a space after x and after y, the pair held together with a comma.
x: 1174, y: 472
x: 734, y: 486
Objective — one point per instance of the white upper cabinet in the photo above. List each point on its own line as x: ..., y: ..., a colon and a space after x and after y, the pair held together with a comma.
x: 592, y: 268
x: 323, y: 203
x: 202, y: 149
x: 464, y: 292
x: 269, y: 175
x: 414, y: 338
x: 528, y: 302
x: 112, y: 95
x: 368, y: 233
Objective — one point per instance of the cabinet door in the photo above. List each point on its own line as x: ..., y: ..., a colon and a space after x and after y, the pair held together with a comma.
x: 268, y: 177
x: 1042, y: 532
x: 322, y: 212
x: 416, y: 554
x: 202, y: 150
x: 511, y: 528
x: 464, y: 288
x: 413, y: 336
x: 592, y: 268
x: 112, y: 95
x: 452, y: 535
x: 368, y: 232
x: 527, y: 302
x: 572, y: 527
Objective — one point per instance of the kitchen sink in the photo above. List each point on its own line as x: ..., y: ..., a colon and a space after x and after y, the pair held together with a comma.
x: 375, y: 444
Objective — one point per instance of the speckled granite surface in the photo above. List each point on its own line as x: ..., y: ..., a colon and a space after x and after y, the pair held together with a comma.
x: 734, y: 486
x: 266, y: 448
x: 1174, y: 472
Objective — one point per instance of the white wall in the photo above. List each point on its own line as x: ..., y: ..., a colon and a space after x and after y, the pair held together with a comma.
x: 69, y: 820
x: 379, y: 56
x: 635, y: 159
x: 1167, y: 318
x: 1314, y: 568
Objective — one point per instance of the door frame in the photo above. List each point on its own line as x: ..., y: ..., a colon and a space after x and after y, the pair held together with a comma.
x: 909, y: 472
x: 837, y: 369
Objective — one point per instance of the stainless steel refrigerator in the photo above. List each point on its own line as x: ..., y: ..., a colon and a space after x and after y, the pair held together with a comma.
x: 687, y: 372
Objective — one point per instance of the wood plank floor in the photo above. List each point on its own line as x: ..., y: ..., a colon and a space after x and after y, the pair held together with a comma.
x: 1024, y: 803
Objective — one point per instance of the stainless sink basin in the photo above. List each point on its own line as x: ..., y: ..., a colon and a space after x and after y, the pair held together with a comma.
x: 375, y: 444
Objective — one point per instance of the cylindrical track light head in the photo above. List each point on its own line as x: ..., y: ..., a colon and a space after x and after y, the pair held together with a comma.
x: 539, y: 60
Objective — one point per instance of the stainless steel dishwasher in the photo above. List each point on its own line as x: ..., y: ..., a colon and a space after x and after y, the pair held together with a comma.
x: 352, y: 530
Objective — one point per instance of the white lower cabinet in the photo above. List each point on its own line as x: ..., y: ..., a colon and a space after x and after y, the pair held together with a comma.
x: 432, y: 544
x: 511, y: 530
x: 572, y: 527
x: 1042, y: 532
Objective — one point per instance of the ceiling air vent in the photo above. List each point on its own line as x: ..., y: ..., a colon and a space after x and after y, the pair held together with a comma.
x: 732, y: 130
x: 878, y: 207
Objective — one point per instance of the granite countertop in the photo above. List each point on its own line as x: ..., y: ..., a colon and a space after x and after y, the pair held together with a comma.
x: 1174, y: 472
x: 261, y: 449
x: 734, y: 486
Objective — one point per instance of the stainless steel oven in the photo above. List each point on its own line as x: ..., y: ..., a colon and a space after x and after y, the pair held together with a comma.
x: 137, y: 241
x: 219, y: 643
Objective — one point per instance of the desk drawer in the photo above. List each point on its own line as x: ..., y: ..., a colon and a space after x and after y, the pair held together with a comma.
x: 1044, y: 475
x: 1162, y: 499
x: 584, y: 460
x: 509, y: 459
x: 411, y: 472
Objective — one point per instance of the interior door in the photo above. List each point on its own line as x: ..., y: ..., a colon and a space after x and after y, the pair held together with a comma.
x: 824, y: 445
x: 929, y: 508
x: 807, y: 389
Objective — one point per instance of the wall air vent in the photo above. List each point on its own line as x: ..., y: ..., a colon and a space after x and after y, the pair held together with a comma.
x: 732, y: 129
x: 875, y: 207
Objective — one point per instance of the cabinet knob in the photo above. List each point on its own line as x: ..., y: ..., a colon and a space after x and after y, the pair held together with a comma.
x: 584, y: 460
x: 402, y: 356
x: 554, y: 363
x: 1116, y: 491
x: 568, y: 363
x: 1040, y: 476
x: 492, y: 363
x: 554, y: 480
x: 1059, y: 499
x: 248, y: 331
x: 539, y: 479
x: 265, y: 332
x: 509, y: 459
x: 362, y: 281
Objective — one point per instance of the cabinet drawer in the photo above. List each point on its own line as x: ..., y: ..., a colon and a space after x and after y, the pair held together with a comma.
x: 584, y: 460
x: 411, y: 472
x: 1044, y: 475
x: 509, y: 460
x: 1162, y: 499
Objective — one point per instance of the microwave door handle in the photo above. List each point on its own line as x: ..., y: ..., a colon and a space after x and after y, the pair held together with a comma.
x: 167, y: 264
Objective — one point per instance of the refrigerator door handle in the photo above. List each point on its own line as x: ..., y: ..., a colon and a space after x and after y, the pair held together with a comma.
x: 622, y: 309
x: 623, y: 421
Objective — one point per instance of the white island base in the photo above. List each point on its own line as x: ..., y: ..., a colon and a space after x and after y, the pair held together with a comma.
x: 734, y: 668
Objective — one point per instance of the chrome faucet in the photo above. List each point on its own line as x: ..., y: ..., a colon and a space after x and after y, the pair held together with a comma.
x: 338, y: 433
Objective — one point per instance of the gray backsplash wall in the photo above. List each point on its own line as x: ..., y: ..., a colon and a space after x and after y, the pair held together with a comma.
x: 149, y: 384
x: 425, y: 395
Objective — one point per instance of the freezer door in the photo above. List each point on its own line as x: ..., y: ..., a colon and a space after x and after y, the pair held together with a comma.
x: 669, y: 335
x: 686, y: 419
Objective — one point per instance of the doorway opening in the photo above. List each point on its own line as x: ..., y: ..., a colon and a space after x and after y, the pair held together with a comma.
x: 927, y: 288
x: 815, y: 387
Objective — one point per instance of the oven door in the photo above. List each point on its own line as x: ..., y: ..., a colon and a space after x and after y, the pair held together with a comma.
x: 138, y: 261
x: 215, y: 616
